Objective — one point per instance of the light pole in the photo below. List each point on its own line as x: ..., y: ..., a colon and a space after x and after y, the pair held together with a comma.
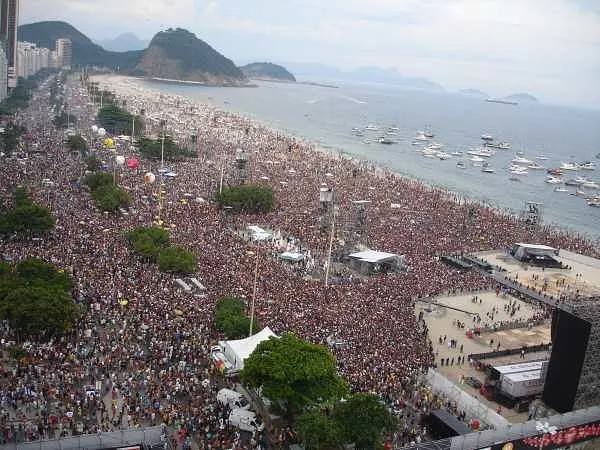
x: 253, y: 292
x: 544, y: 428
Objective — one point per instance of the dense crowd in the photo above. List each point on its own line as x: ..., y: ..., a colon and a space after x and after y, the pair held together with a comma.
x: 147, y: 362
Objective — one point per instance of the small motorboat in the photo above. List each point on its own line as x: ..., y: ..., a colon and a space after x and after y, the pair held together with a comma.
x: 476, y: 159
x: 385, y: 141
x: 443, y: 156
x: 541, y: 157
x: 488, y: 170
x: 573, y: 182
x: 481, y: 152
x: 588, y: 165
x: 553, y: 180
x: 560, y: 189
x: 569, y: 166
x: 535, y: 166
x: 590, y: 185
x: 456, y: 153
x: 487, y: 137
x: 461, y: 165
x: 521, y: 160
x: 515, y: 179
x: 556, y: 172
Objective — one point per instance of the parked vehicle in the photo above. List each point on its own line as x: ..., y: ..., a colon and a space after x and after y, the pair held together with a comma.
x: 245, y: 420
x: 233, y: 399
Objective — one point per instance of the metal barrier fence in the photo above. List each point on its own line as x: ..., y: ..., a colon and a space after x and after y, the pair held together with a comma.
x: 148, y: 438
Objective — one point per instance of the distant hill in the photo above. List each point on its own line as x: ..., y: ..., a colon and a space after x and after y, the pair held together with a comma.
x: 267, y: 70
x: 474, y: 93
x: 85, y: 52
x: 123, y: 42
x: 362, y: 74
x: 177, y: 54
x: 522, y: 98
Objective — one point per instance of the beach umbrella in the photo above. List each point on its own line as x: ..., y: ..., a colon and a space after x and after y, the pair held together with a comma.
x: 101, y: 132
x: 120, y: 160
x: 149, y: 177
x: 108, y: 143
x: 133, y: 163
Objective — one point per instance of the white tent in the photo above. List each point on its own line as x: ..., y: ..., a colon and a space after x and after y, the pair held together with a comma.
x: 237, y: 351
x: 258, y: 234
x: 292, y: 256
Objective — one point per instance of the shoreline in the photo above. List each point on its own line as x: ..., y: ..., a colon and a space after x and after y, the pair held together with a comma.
x: 333, y: 153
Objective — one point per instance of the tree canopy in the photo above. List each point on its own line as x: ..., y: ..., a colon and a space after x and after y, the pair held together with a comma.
x: 247, y: 198
x: 176, y: 259
x: 35, y: 299
x: 25, y: 217
x: 231, y: 319
x: 152, y: 148
x: 78, y: 144
x: 117, y: 120
x: 318, y: 431
x: 106, y: 195
x: 148, y: 241
x: 363, y: 419
x: 9, y: 140
x: 294, y: 372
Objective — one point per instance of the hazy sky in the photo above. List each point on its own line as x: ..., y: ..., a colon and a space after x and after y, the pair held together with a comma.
x: 550, y: 48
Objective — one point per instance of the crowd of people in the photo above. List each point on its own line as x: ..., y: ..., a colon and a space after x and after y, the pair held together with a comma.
x: 146, y: 361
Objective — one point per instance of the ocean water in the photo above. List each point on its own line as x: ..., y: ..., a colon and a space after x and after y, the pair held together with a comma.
x: 327, y: 116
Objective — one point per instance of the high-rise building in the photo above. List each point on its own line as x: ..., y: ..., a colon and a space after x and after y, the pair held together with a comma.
x: 3, y: 74
x: 9, y: 21
x: 64, y: 52
x: 31, y: 59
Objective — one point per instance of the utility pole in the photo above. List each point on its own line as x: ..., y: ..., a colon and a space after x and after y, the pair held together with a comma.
x: 253, y: 295
x: 330, y: 249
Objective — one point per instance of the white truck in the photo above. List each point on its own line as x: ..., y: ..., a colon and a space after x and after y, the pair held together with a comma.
x: 245, y: 420
x: 233, y: 399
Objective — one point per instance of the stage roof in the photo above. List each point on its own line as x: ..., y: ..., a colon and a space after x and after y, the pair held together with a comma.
x: 373, y: 256
x: 535, y: 246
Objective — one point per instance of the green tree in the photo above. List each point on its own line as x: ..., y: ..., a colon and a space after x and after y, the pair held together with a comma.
x: 294, y: 372
x: 363, y: 419
x: 318, y: 431
x: 78, y: 144
x: 93, y: 163
x: 37, y: 272
x: 231, y: 319
x: 153, y: 148
x: 30, y: 220
x: 148, y: 241
x: 247, y: 198
x: 98, y: 179
x: 116, y: 120
x: 21, y: 197
x: 63, y: 120
x: 176, y: 259
x: 35, y: 299
x: 110, y: 198
x: 11, y: 137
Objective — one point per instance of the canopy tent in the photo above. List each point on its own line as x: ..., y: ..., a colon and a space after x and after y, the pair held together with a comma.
x: 237, y: 351
x: 292, y: 256
x: 258, y: 234
x: 372, y: 261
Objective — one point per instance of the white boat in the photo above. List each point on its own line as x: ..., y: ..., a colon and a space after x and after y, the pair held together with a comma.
x: 481, y: 152
x: 521, y: 160
x: 569, y: 166
x: 372, y: 127
x: 553, y: 180
x: 435, y: 146
x: 594, y: 202
x: 456, y: 153
x: 590, y: 185
x: 519, y: 172
x: 498, y: 145
x: 487, y: 137
x: 488, y: 170
x: 582, y: 180
x: 535, y: 166
x: 386, y: 141
x: 588, y: 166
x: 421, y: 136
x: 443, y: 156
x: 560, y: 189
x: 476, y: 159
x: 461, y: 165
x: 541, y: 157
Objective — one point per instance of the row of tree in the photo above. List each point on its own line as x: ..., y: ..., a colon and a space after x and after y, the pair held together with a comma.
x: 19, y: 96
x: 116, y: 120
x: 248, y: 198
x: 36, y: 300
x: 152, y: 244
x: 25, y: 218
x: 107, y: 195
x: 301, y: 380
x: 153, y: 148
x: 231, y: 318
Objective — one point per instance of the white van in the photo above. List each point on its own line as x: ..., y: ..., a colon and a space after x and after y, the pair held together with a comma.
x: 245, y: 420
x: 233, y: 399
